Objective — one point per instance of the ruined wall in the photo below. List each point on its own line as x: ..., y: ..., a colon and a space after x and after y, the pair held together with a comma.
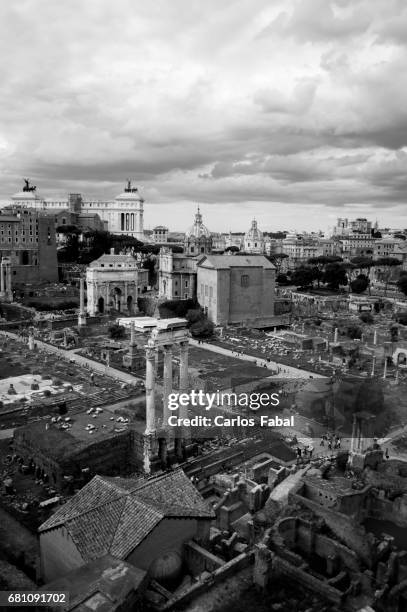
x: 353, y: 536
x: 198, y: 559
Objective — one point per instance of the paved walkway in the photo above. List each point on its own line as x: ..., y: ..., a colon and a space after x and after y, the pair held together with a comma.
x: 280, y: 370
x: 71, y: 356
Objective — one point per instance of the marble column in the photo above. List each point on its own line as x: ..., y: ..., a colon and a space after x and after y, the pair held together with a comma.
x: 184, y: 384
x: 9, y: 292
x: 167, y: 380
x: 336, y: 335
x: 375, y: 337
x: 385, y: 368
x: 107, y: 306
x: 82, y: 314
x: 373, y: 365
x: 2, y: 284
x: 150, y: 389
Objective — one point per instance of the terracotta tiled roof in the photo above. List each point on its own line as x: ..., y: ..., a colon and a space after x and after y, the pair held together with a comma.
x: 222, y: 262
x: 114, y: 515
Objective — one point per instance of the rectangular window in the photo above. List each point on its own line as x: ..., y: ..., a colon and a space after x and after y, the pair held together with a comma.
x: 244, y: 280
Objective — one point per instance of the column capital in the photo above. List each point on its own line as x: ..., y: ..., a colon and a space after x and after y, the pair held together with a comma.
x: 151, y: 352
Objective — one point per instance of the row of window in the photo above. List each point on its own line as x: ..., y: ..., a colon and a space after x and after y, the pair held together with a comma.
x: 3, y: 239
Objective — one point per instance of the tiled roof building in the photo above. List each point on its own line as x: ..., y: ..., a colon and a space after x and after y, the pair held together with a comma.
x: 136, y: 520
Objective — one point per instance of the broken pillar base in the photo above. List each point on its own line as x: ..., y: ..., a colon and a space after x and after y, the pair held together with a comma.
x: 150, y: 452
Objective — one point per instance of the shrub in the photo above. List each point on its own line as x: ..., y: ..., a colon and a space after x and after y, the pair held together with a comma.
x: 117, y: 332
x: 366, y: 317
x: 354, y: 332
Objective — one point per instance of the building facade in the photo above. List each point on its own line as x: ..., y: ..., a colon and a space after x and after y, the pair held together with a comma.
x: 237, y: 289
x: 123, y: 216
x: 27, y: 240
x: 114, y: 282
x: 177, y: 275
x: 177, y: 271
x: 253, y: 240
x: 198, y: 239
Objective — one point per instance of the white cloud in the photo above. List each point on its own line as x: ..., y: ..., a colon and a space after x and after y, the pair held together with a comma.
x: 298, y: 102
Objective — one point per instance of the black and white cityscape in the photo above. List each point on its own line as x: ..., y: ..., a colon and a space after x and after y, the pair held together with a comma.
x: 203, y: 306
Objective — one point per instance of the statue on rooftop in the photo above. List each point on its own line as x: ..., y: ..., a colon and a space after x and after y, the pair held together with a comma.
x: 28, y: 187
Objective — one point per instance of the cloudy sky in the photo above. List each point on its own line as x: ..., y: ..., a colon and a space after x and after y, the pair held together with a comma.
x: 292, y: 111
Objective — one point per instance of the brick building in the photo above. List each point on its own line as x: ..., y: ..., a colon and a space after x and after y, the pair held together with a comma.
x: 134, y: 520
x: 237, y: 289
x: 27, y: 238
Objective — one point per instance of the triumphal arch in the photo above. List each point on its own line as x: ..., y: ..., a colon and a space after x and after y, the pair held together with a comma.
x: 114, y: 282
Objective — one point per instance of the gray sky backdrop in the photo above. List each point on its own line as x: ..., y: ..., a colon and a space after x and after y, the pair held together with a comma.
x: 293, y: 111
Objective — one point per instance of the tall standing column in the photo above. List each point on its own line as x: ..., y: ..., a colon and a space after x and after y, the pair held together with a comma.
x: 184, y: 384
x: 107, y: 307
x: 82, y: 314
x: 9, y: 292
x: 167, y: 379
x: 336, y: 335
x: 2, y: 288
x: 353, y: 439
x: 373, y: 365
x: 375, y: 337
x: 150, y: 389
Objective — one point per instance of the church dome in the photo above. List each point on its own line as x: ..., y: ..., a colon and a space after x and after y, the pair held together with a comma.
x: 198, y: 229
x: 254, y: 233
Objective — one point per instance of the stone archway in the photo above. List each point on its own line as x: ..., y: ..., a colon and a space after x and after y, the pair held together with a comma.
x: 101, y: 305
x: 130, y: 304
x: 117, y: 295
x: 400, y: 358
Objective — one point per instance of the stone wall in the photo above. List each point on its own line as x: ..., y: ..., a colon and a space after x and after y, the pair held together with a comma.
x: 199, y: 559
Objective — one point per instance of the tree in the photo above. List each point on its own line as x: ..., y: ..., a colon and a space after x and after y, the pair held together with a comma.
x: 277, y: 260
x: 363, y: 264
x: 320, y: 263
x: 202, y: 328
x: 199, y: 324
x: 232, y: 249
x: 117, y: 332
x: 282, y: 279
x: 402, y: 283
x: 335, y: 276
x: 354, y: 332
x: 387, y: 264
x: 303, y: 276
x: 366, y: 317
x: 70, y: 252
x: 360, y: 283
x: 394, y: 333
